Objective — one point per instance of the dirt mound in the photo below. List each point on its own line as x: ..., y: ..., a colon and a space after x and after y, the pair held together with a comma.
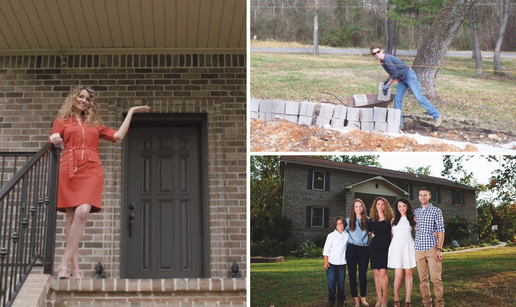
x: 279, y: 135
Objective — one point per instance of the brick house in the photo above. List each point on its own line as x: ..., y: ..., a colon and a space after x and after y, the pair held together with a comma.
x: 316, y: 191
x: 187, y: 61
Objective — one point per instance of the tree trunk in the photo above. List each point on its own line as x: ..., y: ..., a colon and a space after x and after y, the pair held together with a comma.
x: 396, y: 32
x: 498, y: 69
x: 386, y: 44
x: 477, y: 53
x: 316, y: 29
x: 430, y: 55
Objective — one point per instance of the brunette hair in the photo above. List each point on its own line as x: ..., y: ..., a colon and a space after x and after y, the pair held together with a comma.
x: 426, y: 189
x: 374, y: 47
x: 91, y: 115
x: 353, y: 216
x: 339, y: 218
x: 397, y: 214
x: 387, y: 213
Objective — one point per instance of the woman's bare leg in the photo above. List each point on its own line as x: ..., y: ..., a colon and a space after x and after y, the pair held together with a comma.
x: 75, y: 228
x: 408, y: 284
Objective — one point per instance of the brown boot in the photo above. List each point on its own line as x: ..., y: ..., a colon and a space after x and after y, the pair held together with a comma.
x: 340, y: 304
x: 331, y: 304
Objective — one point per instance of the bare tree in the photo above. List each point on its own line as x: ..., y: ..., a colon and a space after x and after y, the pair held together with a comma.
x: 477, y: 52
x: 498, y: 69
x: 432, y: 51
x: 316, y: 28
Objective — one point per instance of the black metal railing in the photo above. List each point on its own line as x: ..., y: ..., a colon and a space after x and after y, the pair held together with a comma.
x: 10, y: 163
x: 27, y: 219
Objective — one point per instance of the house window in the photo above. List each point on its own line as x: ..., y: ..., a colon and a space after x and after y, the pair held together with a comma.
x: 436, y: 195
x: 317, y: 217
x: 407, y: 187
x: 458, y: 198
x: 318, y: 181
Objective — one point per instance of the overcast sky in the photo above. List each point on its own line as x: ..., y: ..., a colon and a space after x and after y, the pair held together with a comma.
x: 479, y: 166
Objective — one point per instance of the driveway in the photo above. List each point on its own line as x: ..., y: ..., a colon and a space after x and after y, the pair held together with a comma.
x: 502, y: 244
x: 466, y: 54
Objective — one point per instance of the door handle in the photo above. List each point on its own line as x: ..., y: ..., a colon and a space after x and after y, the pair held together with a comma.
x: 132, y: 216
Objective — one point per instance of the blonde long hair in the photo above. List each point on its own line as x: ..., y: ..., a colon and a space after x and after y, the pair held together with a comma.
x: 387, y: 212
x: 91, y: 115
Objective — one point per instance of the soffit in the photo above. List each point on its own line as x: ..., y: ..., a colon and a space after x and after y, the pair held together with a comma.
x: 86, y: 26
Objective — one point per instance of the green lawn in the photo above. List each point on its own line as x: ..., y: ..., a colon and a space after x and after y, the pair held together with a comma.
x: 475, y: 278
x: 487, y: 102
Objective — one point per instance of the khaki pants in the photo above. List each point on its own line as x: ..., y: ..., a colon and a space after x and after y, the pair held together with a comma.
x: 436, y: 269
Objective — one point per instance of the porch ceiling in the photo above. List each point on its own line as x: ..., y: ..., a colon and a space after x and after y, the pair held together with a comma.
x: 86, y: 26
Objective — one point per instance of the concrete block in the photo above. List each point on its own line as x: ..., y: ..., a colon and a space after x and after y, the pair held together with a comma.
x: 326, y: 110
x: 366, y: 114
x: 278, y: 107
x: 393, y: 128
x: 321, y: 121
x: 292, y: 107
x: 380, y: 126
x: 353, y: 114
x: 265, y: 106
x: 307, y: 109
x: 380, y: 114
x: 340, y: 112
x: 337, y: 123
x: 353, y: 124
x: 360, y: 100
x: 291, y: 118
x: 265, y: 116
x: 254, y: 105
x: 306, y: 120
x: 367, y: 126
x: 394, y: 116
x: 381, y: 96
x: 254, y: 114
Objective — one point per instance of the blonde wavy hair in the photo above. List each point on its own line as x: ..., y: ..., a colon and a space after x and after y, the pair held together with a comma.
x: 91, y: 115
x: 387, y: 212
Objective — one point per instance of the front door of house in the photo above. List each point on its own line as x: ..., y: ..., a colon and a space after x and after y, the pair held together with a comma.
x: 162, y: 211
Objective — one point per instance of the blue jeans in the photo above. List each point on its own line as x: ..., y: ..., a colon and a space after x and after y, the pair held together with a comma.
x: 336, y: 274
x: 410, y: 81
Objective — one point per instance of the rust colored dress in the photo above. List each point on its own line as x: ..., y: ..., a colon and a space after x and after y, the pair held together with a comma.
x: 81, y: 177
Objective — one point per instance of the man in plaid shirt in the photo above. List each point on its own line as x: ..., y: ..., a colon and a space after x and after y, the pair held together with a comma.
x: 429, y: 248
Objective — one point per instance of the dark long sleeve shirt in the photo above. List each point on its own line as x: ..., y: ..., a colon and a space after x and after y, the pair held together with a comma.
x: 395, y: 67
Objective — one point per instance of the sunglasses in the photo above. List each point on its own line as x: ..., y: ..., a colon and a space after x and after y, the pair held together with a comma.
x: 375, y: 53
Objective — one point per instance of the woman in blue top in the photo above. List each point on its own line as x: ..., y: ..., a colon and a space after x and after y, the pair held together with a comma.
x: 357, y: 252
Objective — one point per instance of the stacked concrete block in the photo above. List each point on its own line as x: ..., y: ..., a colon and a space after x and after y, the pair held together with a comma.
x: 366, y: 119
x: 278, y: 109
x: 292, y: 111
x: 380, y: 114
x: 393, y: 120
x: 307, y: 113
x: 338, y: 123
x: 254, y: 107
x: 353, y: 118
x: 360, y: 100
x: 265, y: 109
x: 339, y: 117
x: 325, y: 114
x: 381, y: 96
x: 380, y: 126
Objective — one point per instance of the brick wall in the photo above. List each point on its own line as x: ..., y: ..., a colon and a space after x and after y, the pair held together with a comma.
x: 32, y: 89
x: 297, y: 197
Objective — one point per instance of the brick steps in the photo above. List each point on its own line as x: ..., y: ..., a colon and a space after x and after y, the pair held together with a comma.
x: 148, y: 292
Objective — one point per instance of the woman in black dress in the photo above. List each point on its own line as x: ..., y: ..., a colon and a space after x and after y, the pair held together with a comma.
x: 380, y: 229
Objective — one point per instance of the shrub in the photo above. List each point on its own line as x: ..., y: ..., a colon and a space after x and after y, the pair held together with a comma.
x: 315, y: 252
x: 304, y: 248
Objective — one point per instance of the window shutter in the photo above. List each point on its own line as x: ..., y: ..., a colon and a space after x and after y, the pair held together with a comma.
x: 463, y: 198
x: 327, y: 181
x: 438, y: 195
x: 310, y: 178
x: 308, y: 216
x: 411, y: 191
x: 326, y: 217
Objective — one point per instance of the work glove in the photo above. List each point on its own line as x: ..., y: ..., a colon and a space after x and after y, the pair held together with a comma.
x: 385, y: 88
x: 386, y: 80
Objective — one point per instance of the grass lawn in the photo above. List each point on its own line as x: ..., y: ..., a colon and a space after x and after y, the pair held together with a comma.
x: 475, y: 278
x: 488, y: 102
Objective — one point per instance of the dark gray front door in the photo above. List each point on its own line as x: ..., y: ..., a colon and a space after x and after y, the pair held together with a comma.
x: 162, y: 211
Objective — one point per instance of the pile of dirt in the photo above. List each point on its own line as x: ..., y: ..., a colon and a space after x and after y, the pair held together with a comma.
x: 279, y: 135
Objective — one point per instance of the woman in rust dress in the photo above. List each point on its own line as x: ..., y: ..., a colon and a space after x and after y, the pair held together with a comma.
x: 79, y: 127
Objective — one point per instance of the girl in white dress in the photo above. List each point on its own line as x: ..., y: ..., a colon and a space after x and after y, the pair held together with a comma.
x: 402, y: 257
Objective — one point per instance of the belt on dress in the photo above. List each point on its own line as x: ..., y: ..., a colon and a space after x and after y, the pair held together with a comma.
x: 72, y: 165
x: 361, y: 245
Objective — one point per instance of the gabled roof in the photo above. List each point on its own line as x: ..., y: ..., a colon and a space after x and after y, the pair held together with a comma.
x: 320, y: 163
x: 377, y: 178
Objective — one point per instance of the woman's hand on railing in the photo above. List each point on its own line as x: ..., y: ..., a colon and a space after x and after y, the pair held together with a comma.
x: 56, y: 138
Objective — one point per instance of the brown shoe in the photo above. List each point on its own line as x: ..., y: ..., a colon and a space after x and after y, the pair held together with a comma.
x: 340, y: 304
x: 396, y: 304
x: 407, y: 304
x: 439, y: 120
x: 331, y: 304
